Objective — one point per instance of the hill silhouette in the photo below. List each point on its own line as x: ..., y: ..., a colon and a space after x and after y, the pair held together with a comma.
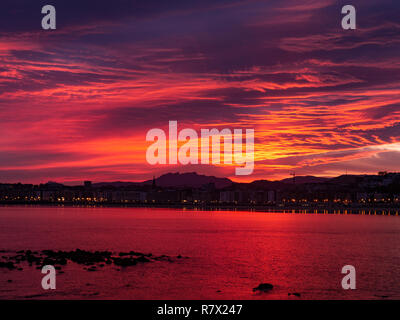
x: 190, y: 179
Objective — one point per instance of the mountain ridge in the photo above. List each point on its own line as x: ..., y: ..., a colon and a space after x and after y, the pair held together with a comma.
x: 195, y: 180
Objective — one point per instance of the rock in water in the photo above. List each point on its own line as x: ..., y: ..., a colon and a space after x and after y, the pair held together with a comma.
x: 264, y: 287
x: 8, y: 265
x: 296, y: 294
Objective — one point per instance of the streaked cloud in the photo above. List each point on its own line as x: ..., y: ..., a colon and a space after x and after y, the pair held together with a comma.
x: 76, y: 103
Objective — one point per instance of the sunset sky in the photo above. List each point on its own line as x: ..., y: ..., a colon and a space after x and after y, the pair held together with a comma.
x: 76, y: 102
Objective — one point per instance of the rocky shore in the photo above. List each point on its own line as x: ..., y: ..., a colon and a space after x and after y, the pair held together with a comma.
x: 90, y: 260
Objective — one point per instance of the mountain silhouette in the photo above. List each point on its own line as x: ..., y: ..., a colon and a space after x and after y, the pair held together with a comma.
x: 306, y: 179
x: 191, y: 179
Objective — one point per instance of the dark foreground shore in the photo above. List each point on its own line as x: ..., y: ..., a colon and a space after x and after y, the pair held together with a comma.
x: 91, y: 260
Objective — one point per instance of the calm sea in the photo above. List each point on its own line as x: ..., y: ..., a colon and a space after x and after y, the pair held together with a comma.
x: 228, y: 253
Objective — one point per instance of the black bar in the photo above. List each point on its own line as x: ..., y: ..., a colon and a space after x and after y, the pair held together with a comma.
x: 151, y: 309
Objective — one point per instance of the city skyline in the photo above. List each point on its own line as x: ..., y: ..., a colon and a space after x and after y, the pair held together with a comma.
x: 190, y: 189
x: 76, y: 102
